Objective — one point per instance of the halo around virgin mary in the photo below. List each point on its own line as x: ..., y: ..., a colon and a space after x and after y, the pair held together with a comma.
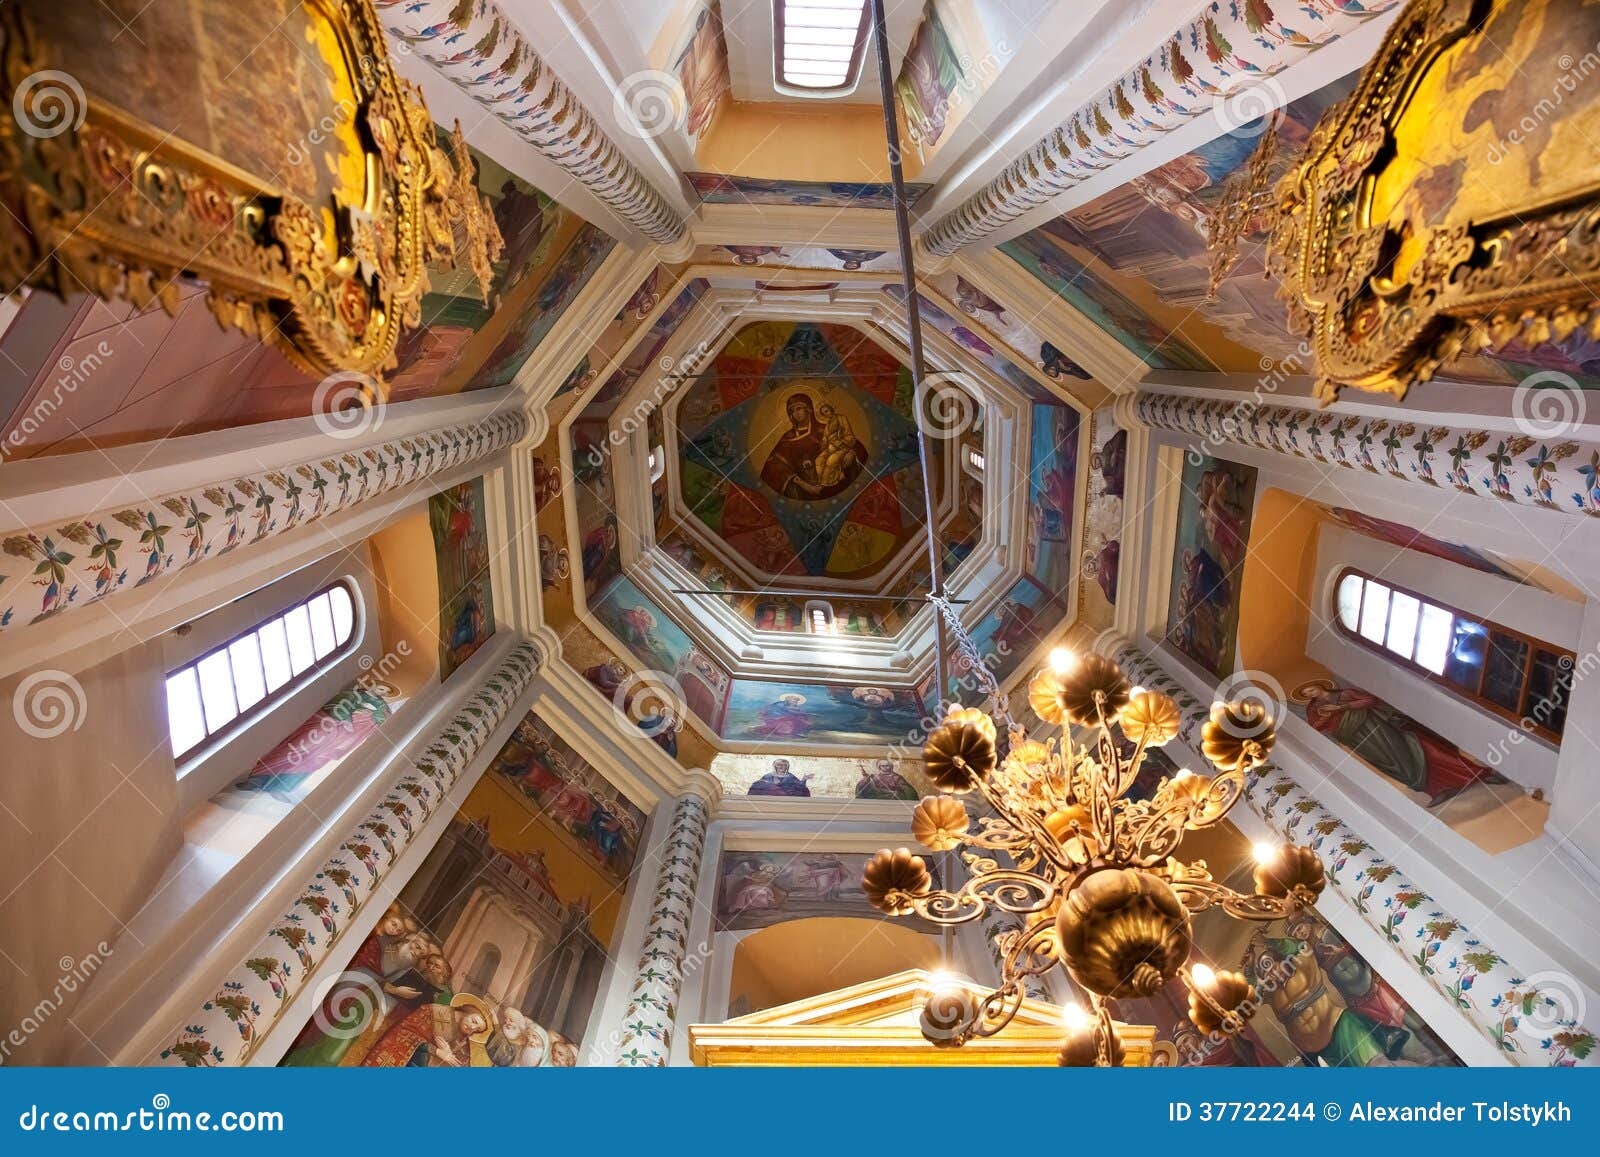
x: 817, y: 457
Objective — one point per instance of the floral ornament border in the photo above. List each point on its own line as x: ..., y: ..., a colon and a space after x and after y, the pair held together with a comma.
x: 646, y: 1040
x: 1226, y: 50
x: 1554, y: 474
x: 488, y: 59
x: 80, y: 562
x: 1497, y: 998
x: 228, y: 1029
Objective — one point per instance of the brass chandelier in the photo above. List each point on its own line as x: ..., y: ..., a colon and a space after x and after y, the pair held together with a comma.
x: 1090, y: 873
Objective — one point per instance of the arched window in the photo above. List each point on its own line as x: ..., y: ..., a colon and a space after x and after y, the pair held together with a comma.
x: 1503, y: 671
x: 237, y: 681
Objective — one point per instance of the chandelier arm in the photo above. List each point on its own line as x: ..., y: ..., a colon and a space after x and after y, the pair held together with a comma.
x: 1027, y: 824
x: 1000, y: 1006
x: 1199, y: 895
x: 1103, y: 802
x: 942, y: 906
x: 1008, y: 888
x: 1227, y: 789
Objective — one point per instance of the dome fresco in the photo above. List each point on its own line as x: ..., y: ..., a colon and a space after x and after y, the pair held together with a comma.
x: 798, y: 450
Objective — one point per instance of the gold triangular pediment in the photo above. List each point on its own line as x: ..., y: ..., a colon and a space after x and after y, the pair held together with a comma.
x: 876, y: 1023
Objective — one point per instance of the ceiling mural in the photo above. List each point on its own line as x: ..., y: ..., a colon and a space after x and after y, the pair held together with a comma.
x: 799, y: 451
x: 986, y: 352
x: 721, y: 189
x: 1014, y: 330
x: 701, y: 66
x: 1137, y: 256
x: 948, y: 65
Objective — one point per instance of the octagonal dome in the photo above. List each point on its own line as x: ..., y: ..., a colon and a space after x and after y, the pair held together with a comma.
x: 798, y: 455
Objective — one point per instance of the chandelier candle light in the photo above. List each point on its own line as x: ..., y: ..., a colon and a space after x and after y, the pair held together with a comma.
x: 1090, y: 872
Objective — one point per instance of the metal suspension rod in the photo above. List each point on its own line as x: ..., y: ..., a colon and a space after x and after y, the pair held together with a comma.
x: 908, y: 275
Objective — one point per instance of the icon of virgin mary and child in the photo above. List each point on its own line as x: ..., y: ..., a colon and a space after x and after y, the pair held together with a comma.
x: 818, y: 456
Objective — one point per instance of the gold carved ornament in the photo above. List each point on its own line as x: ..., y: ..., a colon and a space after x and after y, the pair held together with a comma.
x: 1090, y: 873
x: 107, y: 203
x: 1451, y: 204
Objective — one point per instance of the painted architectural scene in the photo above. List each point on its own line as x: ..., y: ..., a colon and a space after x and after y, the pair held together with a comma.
x: 489, y: 958
x: 1214, y: 509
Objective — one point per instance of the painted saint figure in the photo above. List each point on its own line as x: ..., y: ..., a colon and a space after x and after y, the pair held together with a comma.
x: 1394, y: 743
x: 780, y: 781
x: 793, y: 465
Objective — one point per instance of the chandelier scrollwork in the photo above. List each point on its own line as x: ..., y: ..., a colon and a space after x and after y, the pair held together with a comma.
x: 1090, y: 872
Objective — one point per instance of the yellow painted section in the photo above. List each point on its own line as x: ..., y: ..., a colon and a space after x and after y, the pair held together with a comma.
x: 514, y: 827
x: 1275, y: 615
x: 811, y: 141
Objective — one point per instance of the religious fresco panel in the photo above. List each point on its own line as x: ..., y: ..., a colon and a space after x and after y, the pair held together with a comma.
x: 466, y: 591
x: 1052, y: 496
x: 722, y: 189
x: 820, y: 776
x: 1208, y: 561
x: 1102, y: 532
x: 799, y: 450
x: 491, y: 956
x: 781, y: 713
x: 760, y: 889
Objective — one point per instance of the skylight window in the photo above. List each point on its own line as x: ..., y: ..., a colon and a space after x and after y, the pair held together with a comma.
x: 819, y: 43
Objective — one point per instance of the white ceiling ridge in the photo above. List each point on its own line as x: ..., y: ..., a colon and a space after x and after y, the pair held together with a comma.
x: 488, y: 58
x: 1196, y: 77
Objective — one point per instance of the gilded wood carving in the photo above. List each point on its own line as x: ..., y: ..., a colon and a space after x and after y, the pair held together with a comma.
x: 1451, y: 204
x: 267, y: 150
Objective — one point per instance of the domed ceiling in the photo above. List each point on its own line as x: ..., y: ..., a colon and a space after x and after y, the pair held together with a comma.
x: 798, y: 453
